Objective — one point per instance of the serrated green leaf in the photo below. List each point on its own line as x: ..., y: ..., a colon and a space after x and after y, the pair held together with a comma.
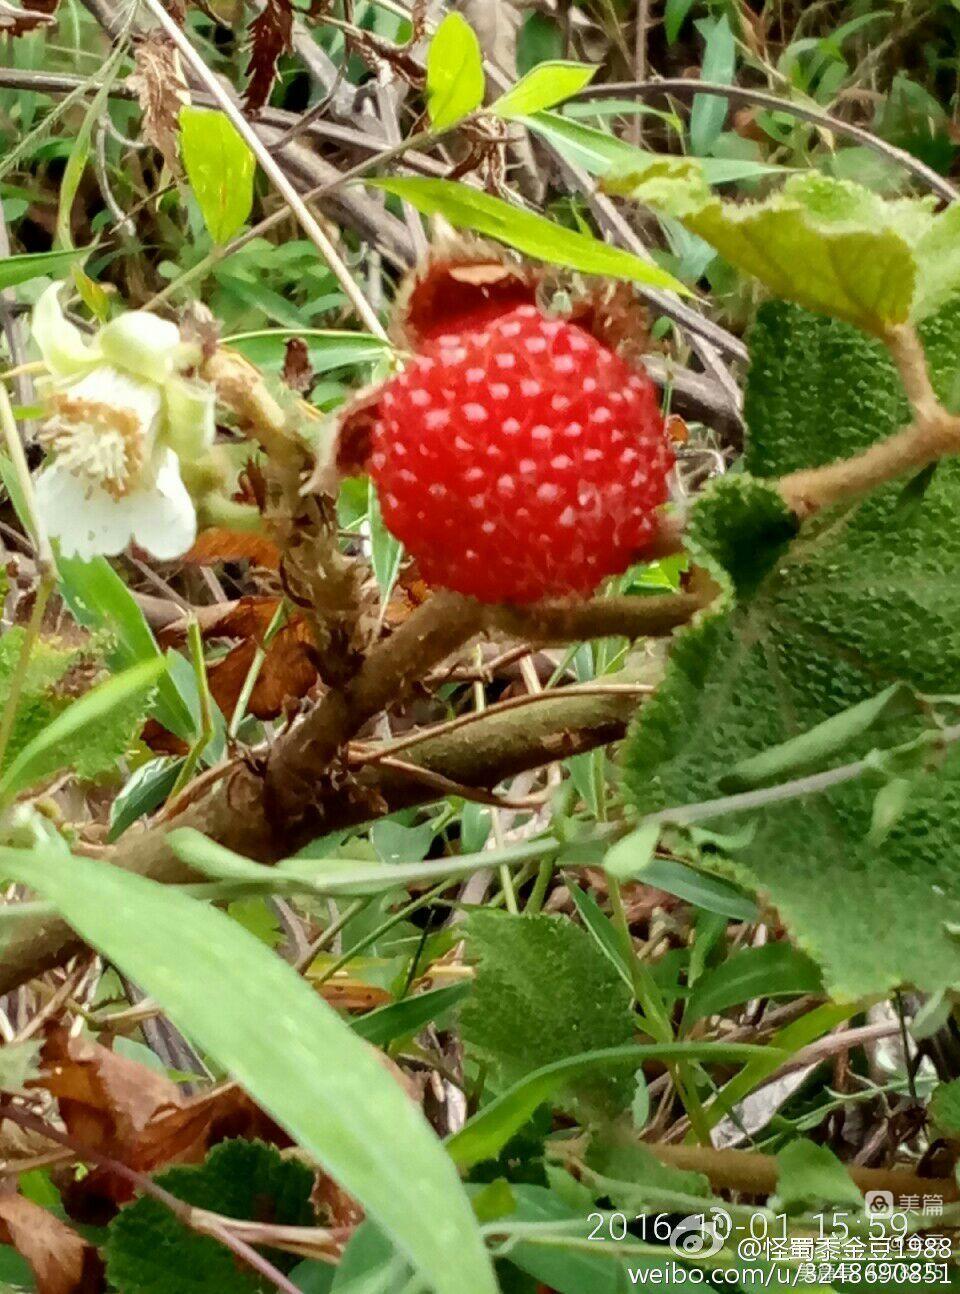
x: 455, y: 80
x: 829, y: 245
x: 99, y: 600
x: 220, y: 168
x: 469, y: 208
x: 863, y: 599
x: 543, y: 991
x: 89, y: 735
x: 149, y: 1251
x: 546, y: 85
x: 308, y: 1069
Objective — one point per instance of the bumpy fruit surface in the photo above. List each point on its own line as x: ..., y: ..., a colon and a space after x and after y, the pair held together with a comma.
x: 520, y: 460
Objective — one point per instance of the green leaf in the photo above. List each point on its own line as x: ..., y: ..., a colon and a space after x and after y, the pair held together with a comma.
x: 702, y: 890
x: 811, y: 1176
x: 543, y: 991
x: 327, y: 348
x: 469, y: 208
x: 149, y: 1251
x: 220, y: 168
x: 709, y: 111
x: 89, y: 735
x: 455, y: 80
x: 632, y: 855
x: 33, y: 265
x: 944, y: 1108
x: 408, y: 1016
x: 19, y: 1063
x: 145, y: 791
x: 488, y: 1131
x: 546, y: 85
x: 812, y: 749
x: 600, y: 152
x: 774, y: 970
x: 99, y: 600
x: 865, y: 598
x: 308, y: 1070
x: 827, y: 244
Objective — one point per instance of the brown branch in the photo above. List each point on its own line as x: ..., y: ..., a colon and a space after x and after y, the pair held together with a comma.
x: 933, y: 434
x: 232, y: 811
x: 756, y: 1174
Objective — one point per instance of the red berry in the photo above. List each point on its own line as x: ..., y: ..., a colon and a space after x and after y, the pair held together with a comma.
x: 520, y: 461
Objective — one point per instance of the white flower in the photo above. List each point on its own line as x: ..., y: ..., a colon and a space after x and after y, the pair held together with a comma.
x: 121, y: 413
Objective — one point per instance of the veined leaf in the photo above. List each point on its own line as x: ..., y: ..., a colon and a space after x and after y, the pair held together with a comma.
x: 774, y: 970
x: 863, y: 599
x: 455, y: 80
x: 545, y: 85
x: 220, y: 168
x: 469, y: 208
x: 307, y: 1068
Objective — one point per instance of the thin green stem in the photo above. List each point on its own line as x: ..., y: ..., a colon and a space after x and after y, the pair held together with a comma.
x: 28, y: 499
x: 189, y: 767
x: 253, y: 673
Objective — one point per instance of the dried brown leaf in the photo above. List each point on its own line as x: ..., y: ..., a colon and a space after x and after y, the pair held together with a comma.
x: 271, y: 34
x: 463, y: 282
x: 297, y: 370
x: 61, y: 1260
x: 162, y: 92
x: 220, y: 545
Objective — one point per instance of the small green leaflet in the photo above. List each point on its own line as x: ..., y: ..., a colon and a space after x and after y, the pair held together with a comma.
x: 280, y: 1040
x: 546, y: 85
x: 220, y: 168
x: 468, y: 208
x: 455, y: 80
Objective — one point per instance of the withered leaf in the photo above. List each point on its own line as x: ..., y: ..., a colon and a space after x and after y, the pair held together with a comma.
x: 287, y: 673
x: 162, y: 92
x: 297, y: 370
x: 271, y: 33
x: 130, y: 1113
x: 61, y: 1260
x: 219, y: 545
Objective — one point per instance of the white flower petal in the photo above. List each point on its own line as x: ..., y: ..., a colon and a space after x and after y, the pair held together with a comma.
x: 191, y: 424
x: 87, y: 522
x: 142, y: 343
x: 163, y: 519
x: 108, y: 385
x: 90, y: 522
x: 64, y: 350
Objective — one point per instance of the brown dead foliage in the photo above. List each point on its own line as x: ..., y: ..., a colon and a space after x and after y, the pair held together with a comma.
x: 271, y: 33
x: 61, y: 1260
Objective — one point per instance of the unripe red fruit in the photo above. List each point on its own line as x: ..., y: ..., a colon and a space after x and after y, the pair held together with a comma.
x: 520, y: 461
